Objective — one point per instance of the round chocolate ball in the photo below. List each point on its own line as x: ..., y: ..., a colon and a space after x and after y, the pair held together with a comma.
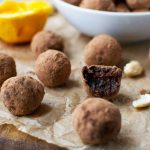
x: 141, y: 10
x: 53, y: 68
x: 7, y: 67
x: 97, y: 121
x: 73, y: 2
x: 22, y: 95
x: 103, y: 50
x: 138, y: 4
x: 122, y: 7
x: 45, y: 40
x: 106, y: 5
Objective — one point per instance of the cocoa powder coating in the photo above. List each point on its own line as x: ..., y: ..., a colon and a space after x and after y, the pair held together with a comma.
x: 53, y: 68
x: 45, y: 40
x: 122, y: 7
x: 138, y: 4
x: 7, y: 67
x: 73, y: 2
x: 22, y: 95
x: 103, y: 50
x: 106, y: 5
x: 96, y: 121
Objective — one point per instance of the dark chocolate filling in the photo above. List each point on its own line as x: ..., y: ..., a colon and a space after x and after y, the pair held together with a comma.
x: 103, y: 81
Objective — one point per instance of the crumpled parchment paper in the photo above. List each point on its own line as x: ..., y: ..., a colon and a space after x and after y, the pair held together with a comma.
x: 52, y: 121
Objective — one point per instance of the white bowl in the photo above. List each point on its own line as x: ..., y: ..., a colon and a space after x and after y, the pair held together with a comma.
x: 126, y: 27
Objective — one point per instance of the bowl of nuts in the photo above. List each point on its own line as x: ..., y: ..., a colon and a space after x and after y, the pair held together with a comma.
x: 126, y: 20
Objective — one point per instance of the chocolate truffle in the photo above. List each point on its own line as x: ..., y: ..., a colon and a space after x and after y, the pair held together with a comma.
x: 22, y: 95
x: 138, y: 4
x: 97, y: 121
x: 101, y: 81
x: 122, y: 7
x: 106, y: 5
x: 53, y: 68
x: 141, y: 10
x: 7, y: 67
x: 118, y: 1
x: 103, y: 50
x: 45, y: 40
x: 73, y: 2
x: 144, y: 91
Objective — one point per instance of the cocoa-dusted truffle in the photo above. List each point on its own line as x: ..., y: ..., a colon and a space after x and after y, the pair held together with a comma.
x: 122, y: 7
x: 138, y: 4
x: 119, y: 1
x: 144, y: 91
x: 45, y: 40
x: 101, y: 81
x: 103, y: 50
x: 73, y: 2
x: 97, y: 121
x: 7, y: 67
x: 141, y: 10
x: 22, y: 95
x: 106, y: 5
x: 53, y: 68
